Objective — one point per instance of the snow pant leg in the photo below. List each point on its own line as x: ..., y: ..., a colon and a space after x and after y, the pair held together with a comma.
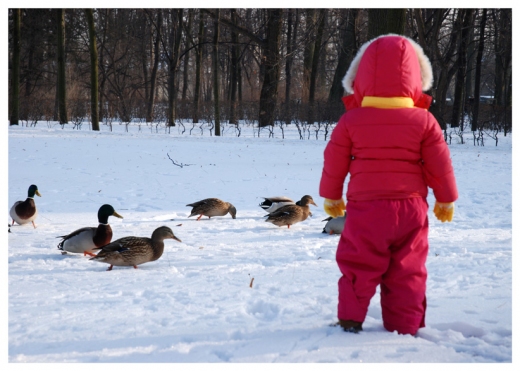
x: 403, y: 286
x: 362, y: 256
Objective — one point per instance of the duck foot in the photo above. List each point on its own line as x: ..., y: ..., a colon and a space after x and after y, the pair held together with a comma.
x: 110, y: 268
x: 200, y: 216
x: 85, y: 253
x: 135, y: 266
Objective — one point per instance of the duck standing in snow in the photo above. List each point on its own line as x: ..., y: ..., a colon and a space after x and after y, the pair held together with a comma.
x: 334, y: 225
x: 212, y: 207
x: 132, y: 251
x: 85, y: 240
x: 24, y: 212
x: 291, y: 214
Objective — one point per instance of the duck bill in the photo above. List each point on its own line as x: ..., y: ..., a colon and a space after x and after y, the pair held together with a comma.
x: 312, y: 202
x: 117, y: 215
x: 176, y: 239
x: 37, y: 193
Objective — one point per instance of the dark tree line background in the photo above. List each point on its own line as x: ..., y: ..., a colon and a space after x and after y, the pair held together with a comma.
x: 224, y: 65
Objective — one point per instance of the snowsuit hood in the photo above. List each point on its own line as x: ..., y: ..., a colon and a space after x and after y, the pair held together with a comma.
x: 389, y: 66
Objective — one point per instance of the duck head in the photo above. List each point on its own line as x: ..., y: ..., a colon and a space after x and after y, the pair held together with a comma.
x: 105, y: 211
x: 33, y: 189
x: 232, y: 211
x: 163, y: 233
x: 306, y: 200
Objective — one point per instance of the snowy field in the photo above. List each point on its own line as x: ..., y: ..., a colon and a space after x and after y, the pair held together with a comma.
x: 238, y: 290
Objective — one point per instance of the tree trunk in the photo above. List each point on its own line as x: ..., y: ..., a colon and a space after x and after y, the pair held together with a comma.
x: 271, y: 61
x: 61, y: 83
x: 186, y: 62
x: 457, y: 116
x: 347, y: 51
x: 143, y: 51
x: 215, y: 72
x: 198, y: 59
x: 384, y: 21
x: 478, y: 72
x: 153, y: 77
x: 291, y: 46
x: 94, y: 117
x: 314, y: 66
x: 316, y: 54
x: 234, y: 71
x: 15, y: 74
x: 502, y: 54
x: 173, y: 60
x: 429, y: 36
x: 102, y: 95
x: 308, y: 53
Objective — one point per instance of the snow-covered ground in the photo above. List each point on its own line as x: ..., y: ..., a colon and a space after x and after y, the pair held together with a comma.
x: 196, y: 303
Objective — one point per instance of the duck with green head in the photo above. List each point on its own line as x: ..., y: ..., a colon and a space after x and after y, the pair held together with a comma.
x: 85, y: 240
x: 132, y: 251
x: 24, y: 212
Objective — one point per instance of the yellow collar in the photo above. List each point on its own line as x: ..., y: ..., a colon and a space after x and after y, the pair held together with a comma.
x: 393, y: 102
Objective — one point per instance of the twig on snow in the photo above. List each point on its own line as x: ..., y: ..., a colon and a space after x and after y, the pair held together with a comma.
x: 180, y: 165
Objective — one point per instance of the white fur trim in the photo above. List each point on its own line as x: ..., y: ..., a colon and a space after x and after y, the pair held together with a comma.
x: 424, y: 63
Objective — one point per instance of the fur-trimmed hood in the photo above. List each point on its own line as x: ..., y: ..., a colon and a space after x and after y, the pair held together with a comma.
x: 389, y: 66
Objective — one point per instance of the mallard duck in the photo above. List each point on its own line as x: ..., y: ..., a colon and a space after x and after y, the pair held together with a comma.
x: 269, y: 201
x: 132, y: 251
x: 212, y: 207
x: 271, y: 204
x: 291, y: 214
x: 24, y: 212
x: 84, y: 240
x: 334, y: 225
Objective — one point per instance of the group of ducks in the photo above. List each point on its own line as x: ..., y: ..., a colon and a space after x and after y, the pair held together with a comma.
x: 133, y: 251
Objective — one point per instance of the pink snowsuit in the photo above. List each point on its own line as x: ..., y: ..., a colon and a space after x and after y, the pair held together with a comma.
x: 394, y: 150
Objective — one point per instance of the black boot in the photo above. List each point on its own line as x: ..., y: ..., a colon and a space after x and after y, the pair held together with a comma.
x: 351, y: 326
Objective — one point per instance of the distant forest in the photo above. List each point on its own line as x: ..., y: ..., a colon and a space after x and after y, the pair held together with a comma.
x: 227, y: 65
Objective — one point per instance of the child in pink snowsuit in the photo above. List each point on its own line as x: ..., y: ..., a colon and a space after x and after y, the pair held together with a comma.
x: 394, y: 149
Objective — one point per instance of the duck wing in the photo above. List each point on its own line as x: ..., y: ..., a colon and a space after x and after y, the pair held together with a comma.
x: 200, y: 203
x: 77, y: 232
x: 123, y: 244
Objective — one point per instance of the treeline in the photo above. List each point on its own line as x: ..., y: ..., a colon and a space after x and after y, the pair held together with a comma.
x: 267, y: 65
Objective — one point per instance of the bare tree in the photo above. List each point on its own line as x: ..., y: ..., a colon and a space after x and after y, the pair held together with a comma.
x: 215, y: 72
x: 61, y: 82
x: 478, y: 71
x: 460, y: 81
x: 15, y: 71
x: 347, y: 51
x: 384, y: 21
x: 94, y: 118
x: 157, y: 57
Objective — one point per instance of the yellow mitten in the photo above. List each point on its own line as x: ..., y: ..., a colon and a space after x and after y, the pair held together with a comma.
x: 444, y: 211
x: 334, y: 208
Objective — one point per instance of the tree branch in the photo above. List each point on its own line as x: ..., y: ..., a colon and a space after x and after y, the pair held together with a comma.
x: 179, y: 165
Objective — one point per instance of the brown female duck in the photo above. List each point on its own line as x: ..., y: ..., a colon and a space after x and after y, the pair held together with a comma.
x: 291, y: 214
x: 132, y: 251
x: 24, y: 212
x: 85, y: 240
x: 212, y: 207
